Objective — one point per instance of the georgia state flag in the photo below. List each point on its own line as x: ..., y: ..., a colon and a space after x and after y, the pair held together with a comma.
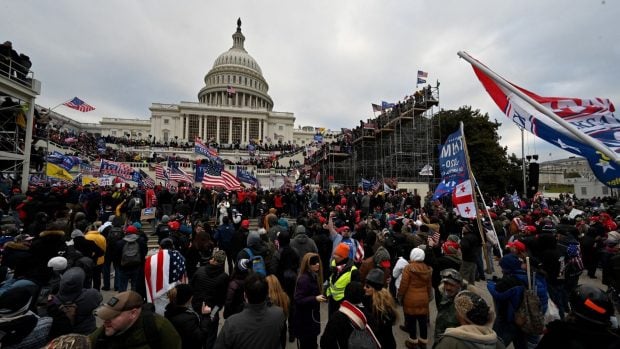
x: 463, y: 200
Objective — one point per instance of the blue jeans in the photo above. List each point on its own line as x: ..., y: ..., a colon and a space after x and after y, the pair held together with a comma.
x: 107, y: 270
x: 126, y: 275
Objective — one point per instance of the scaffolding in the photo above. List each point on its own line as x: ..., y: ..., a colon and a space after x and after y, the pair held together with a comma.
x: 18, y: 90
x: 395, y: 145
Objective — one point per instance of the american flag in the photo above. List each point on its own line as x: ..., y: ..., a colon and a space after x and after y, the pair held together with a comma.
x: 162, y: 271
x: 161, y: 172
x: 214, y: 175
x: 146, y: 180
x: 79, y: 104
x: 422, y: 74
x: 177, y: 174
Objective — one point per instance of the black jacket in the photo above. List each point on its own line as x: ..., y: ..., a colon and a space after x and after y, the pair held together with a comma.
x: 209, y: 284
x: 191, y: 326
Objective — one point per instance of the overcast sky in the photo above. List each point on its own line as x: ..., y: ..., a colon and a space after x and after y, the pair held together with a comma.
x: 325, y: 61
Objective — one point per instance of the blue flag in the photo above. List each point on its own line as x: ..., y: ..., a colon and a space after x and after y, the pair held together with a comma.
x: 245, y: 176
x: 386, y: 105
x: 452, y: 165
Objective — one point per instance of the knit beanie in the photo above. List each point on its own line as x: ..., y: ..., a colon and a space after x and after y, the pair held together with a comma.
x: 382, y: 257
x: 417, y: 255
x: 376, y: 278
x: 510, y: 263
x: 253, y: 239
x: 342, y: 250
x: 473, y: 308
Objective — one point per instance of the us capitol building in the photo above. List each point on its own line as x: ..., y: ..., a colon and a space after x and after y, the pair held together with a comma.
x: 234, y: 106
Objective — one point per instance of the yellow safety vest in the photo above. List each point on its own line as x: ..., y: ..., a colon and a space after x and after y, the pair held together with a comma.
x: 336, y: 290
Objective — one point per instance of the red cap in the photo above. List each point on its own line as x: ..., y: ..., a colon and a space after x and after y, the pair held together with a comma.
x: 518, y: 245
x: 174, y: 225
x: 131, y: 230
x: 245, y: 224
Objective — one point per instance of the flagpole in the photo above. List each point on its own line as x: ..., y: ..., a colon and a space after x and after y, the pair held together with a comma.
x: 47, y: 145
x: 568, y: 126
x: 474, y: 196
x: 489, y: 215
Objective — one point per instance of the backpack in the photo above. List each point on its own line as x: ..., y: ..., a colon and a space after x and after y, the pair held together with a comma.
x: 130, y: 256
x: 137, y: 204
x: 571, y: 264
x: 114, y: 235
x: 529, y: 316
x: 258, y: 263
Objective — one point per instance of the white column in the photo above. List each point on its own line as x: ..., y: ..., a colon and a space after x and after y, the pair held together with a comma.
x: 217, y: 130
x: 243, y: 132
x: 186, y: 127
x: 260, y: 129
x: 230, y: 140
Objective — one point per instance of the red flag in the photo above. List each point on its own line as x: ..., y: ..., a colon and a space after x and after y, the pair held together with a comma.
x: 463, y: 200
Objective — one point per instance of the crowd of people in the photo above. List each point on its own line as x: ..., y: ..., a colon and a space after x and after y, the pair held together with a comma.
x: 375, y: 260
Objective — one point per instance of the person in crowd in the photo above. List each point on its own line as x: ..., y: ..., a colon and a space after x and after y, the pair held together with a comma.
x: 131, y: 267
x: 258, y: 325
x: 95, y: 236
x: 451, y: 284
x: 415, y: 291
x: 114, y: 234
x: 235, y: 294
x: 381, y: 308
x: 302, y: 243
x: 279, y: 298
x: 343, y: 271
x: 22, y: 328
x: 224, y: 236
x: 380, y: 259
x: 156, y: 292
x: 475, y: 318
x: 587, y: 325
x: 127, y: 324
x: 288, y: 267
x: 209, y: 285
x: 162, y: 230
x: 257, y: 246
x: 306, y: 321
x: 193, y: 327
x: 450, y: 259
x: 507, y: 294
x: 350, y: 313
x: 72, y: 308
x: 471, y: 248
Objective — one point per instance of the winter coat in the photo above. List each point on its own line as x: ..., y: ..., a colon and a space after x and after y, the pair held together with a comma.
x: 118, y: 250
x: 98, y: 239
x: 415, y: 288
x: 86, y: 302
x: 306, y: 320
x: 576, y: 333
x: 468, y: 337
x: 50, y: 243
x: 381, y: 325
x: 209, y: 284
x: 303, y: 244
x: 258, y: 326
x: 191, y: 327
x: 224, y: 235
x: 234, y: 295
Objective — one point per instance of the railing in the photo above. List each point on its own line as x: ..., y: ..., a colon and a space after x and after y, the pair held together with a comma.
x: 16, y: 72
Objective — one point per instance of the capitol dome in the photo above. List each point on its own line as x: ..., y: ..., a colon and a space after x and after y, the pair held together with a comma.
x: 236, y: 79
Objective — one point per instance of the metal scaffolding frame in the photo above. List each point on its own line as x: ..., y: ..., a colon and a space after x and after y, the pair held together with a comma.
x: 17, y: 104
x: 397, y: 144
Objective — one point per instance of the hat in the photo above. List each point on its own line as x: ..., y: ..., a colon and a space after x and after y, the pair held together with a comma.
x: 15, y: 301
x: 219, y: 256
x: 57, y: 263
x: 417, y: 255
x: 613, y: 237
x: 71, y: 284
x: 382, y: 256
x: 253, y: 239
x: 174, y: 225
x: 165, y: 219
x: 131, y: 230
x: 472, y: 308
x: 283, y: 222
x: 75, y: 233
x: 510, y: 263
x: 343, y: 229
x: 121, y: 302
x: 184, y: 294
x: 342, y: 250
x: 518, y: 245
x: 376, y: 278
x: 300, y: 229
x: 450, y: 248
x: 451, y: 276
x: 245, y: 224
x: 453, y: 237
x: 137, y: 225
